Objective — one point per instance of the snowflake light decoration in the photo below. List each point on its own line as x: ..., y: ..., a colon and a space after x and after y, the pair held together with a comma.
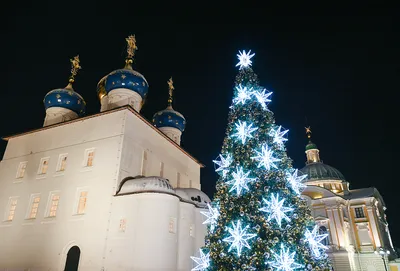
x: 223, y: 164
x: 262, y: 98
x: 314, y: 239
x: 295, y: 181
x: 276, y: 210
x: 244, y: 59
x: 240, y: 181
x: 212, y: 216
x: 238, y: 238
x: 284, y: 261
x: 244, y: 131
x: 243, y: 95
x: 265, y: 158
x: 203, y: 262
x: 279, y: 136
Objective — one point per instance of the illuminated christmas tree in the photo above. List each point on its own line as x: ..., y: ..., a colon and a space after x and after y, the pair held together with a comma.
x: 258, y: 221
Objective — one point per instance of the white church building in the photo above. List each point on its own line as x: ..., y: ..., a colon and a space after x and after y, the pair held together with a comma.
x: 355, y: 220
x: 111, y: 191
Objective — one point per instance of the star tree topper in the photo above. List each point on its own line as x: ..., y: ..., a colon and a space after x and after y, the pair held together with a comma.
x: 314, y: 239
x: 284, y: 261
x: 244, y: 59
x: 238, y: 238
x: 203, y: 262
x: 276, y: 210
x: 240, y: 181
x: 244, y: 131
x: 212, y: 216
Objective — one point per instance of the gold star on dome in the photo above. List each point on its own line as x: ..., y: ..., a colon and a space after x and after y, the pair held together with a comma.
x: 123, y: 76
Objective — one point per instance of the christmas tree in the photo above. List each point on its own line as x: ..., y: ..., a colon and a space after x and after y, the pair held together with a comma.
x: 257, y: 220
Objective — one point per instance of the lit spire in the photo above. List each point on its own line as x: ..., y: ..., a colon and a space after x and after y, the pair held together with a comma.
x: 75, y: 67
x: 170, y: 91
x: 130, y: 50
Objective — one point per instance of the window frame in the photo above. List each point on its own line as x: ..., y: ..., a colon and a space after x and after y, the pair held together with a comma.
x: 86, y: 158
x: 31, y: 204
x: 61, y: 157
x: 21, y: 164
x: 40, y: 169
x: 8, y: 209
x: 50, y: 204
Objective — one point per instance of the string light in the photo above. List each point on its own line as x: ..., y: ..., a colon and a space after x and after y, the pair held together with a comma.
x: 265, y: 158
x: 244, y: 131
x: 276, y: 210
x: 239, y: 237
x: 223, y: 164
x: 212, y: 216
x: 203, y: 262
x: 240, y: 181
x: 314, y: 239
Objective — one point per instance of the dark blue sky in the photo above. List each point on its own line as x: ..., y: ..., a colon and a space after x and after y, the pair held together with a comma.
x: 339, y: 72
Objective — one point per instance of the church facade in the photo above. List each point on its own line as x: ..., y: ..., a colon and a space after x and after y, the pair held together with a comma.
x: 110, y: 191
x: 354, y: 219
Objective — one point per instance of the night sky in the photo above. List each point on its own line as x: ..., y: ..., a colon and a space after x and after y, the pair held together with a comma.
x: 337, y: 74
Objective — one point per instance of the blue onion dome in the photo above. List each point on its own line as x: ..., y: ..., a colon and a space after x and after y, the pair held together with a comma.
x: 67, y: 97
x: 169, y: 117
x: 126, y: 78
x: 101, y: 91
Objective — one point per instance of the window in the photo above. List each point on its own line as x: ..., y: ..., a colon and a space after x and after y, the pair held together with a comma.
x: 12, y: 205
x: 89, y: 156
x: 53, y: 204
x: 323, y: 230
x: 161, y: 169
x: 122, y: 225
x: 62, y: 162
x: 44, y: 164
x: 21, y: 169
x: 172, y: 225
x: 144, y: 163
x: 82, y: 202
x: 359, y: 212
x: 34, y: 206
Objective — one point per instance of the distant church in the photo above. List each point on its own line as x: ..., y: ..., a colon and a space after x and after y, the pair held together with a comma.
x: 111, y: 191
x: 355, y: 220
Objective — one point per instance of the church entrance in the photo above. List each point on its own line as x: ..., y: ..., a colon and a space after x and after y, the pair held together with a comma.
x: 73, y: 256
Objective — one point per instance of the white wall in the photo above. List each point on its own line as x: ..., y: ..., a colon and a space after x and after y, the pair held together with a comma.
x: 140, y: 137
x: 41, y: 243
x: 146, y: 243
x: 118, y: 139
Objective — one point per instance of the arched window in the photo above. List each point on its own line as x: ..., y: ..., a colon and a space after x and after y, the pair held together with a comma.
x: 73, y: 256
x: 323, y: 230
